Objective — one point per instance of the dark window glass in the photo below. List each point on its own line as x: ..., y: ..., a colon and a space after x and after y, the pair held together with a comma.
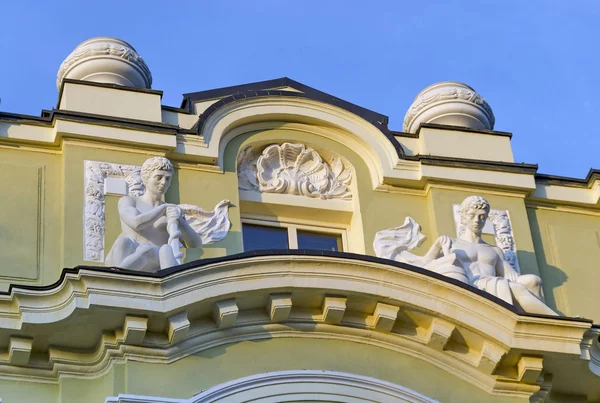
x: 314, y: 240
x: 260, y: 237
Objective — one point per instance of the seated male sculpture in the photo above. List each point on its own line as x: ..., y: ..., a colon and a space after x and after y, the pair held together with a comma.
x: 467, y: 258
x: 151, y: 228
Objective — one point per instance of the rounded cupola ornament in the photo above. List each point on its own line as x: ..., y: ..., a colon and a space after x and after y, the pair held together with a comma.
x: 105, y: 60
x: 449, y: 103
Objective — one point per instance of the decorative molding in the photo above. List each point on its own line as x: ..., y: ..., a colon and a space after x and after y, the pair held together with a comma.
x: 499, y: 225
x: 449, y: 100
x: 95, y: 177
x: 107, y: 49
x: 296, y: 385
x: 485, y: 325
x: 293, y: 169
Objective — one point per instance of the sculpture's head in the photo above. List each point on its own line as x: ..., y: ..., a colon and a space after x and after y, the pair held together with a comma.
x: 474, y: 211
x: 157, y: 173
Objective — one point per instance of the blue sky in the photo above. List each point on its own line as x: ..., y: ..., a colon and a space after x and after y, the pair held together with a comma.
x: 536, y: 62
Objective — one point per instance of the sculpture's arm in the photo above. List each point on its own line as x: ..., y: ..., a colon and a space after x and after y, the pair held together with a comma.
x: 190, y: 238
x: 503, y: 268
x: 136, y: 220
x: 441, y: 247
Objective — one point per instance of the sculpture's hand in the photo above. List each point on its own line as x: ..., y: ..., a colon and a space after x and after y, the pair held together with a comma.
x: 445, y: 244
x: 510, y: 273
x: 173, y: 212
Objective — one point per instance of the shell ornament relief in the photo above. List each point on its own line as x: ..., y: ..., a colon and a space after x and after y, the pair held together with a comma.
x: 293, y: 169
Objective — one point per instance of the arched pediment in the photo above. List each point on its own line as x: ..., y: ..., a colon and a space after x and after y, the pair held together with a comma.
x: 272, y: 294
x: 236, y: 115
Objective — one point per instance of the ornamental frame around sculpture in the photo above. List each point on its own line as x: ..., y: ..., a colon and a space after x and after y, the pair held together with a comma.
x: 503, y: 233
x: 94, y: 200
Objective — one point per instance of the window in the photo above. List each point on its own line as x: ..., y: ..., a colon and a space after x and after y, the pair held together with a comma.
x: 263, y: 234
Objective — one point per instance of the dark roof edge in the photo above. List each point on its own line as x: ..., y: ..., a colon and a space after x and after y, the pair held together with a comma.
x: 586, y: 182
x: 513, y: 167
x: 452, y: 128
x: 369, y: 116
x: 175, y: 109
x: 289, y: 253
x: 50, y: 117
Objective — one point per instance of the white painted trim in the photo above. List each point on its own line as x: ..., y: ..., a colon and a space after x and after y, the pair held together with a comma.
x: 349, y: 129
x: 293, y: 228
x: 299, y: 385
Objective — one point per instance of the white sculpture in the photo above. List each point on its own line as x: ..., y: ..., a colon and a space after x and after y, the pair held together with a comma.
x: 152, y: 230
x: 501, y: 227
x: 449, y: 103
x: 294, y: 169
x: 467, y: 258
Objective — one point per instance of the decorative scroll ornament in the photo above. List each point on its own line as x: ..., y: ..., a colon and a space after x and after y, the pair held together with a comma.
x: 502, y: 231
x: 293, y: 169
x: 212, y: 226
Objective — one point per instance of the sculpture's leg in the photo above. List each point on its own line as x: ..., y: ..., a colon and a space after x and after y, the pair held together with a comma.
x: 145, y: 258
x: 529, y: 302
x: 167, y: 258
x: 122, y: 248
x: 533, y: 284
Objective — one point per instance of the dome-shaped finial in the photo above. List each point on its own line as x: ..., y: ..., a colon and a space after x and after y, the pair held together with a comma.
x: 105, y: 60
x: 449, y: 103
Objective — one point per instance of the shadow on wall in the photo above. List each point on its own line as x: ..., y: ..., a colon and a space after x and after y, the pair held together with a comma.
x: 214, y: 352
x: 552, y: 277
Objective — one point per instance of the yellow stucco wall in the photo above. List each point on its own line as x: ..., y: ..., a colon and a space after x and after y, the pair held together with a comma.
x: 568, y: 245
x: 186, y: 377
x: 47, y: 196
x: 30, y: 217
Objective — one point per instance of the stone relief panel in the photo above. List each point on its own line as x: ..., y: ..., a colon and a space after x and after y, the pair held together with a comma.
x: 497, y: 224
x: 293, y: 169
x: 102, y: 178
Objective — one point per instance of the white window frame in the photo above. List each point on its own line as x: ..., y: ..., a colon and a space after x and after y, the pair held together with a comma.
x: 293, y: 226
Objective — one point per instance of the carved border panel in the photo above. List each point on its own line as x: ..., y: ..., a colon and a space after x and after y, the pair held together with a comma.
x: 499, y: 225
x: 95, y: 188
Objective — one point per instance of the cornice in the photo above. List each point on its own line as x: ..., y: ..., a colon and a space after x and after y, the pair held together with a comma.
x: 221, y: 285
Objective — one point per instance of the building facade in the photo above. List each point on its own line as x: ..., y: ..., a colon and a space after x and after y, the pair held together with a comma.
x: 287, y: 246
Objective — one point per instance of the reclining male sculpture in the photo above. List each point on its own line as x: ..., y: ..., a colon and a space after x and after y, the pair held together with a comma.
x: 467, y: 258
x: 152, y: 230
